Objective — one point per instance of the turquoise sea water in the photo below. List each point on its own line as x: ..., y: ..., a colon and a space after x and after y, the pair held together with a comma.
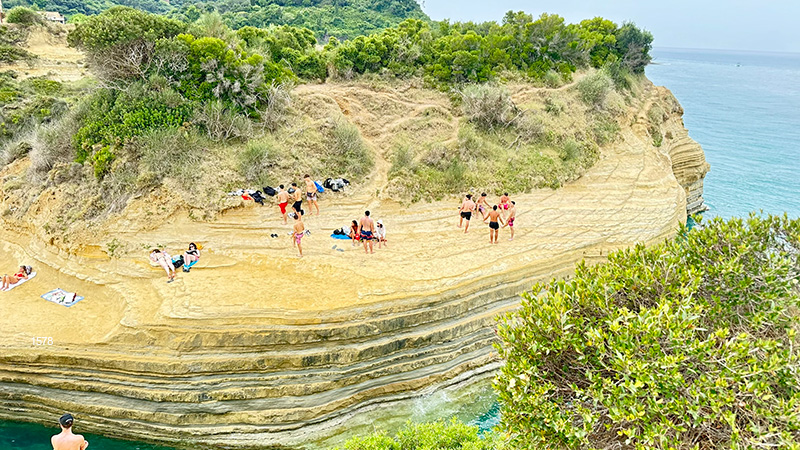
x: 743, y: 108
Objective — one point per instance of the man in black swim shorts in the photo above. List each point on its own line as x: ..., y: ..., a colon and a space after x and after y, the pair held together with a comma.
x: 466, y: 209
x: 495, y: 220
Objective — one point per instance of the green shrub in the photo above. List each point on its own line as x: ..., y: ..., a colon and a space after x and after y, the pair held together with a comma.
x: 553, y: 79
x: 429, y: 436
x: 348, y: 154
x: 687, y: 344
x: 43, y: 86
x: 170, y: 152
x: 487, y: 106
x: 23, y: 16
x: 221, y: 123
x: 594, y: 88
x: 10, y: 54
x: 258, y: 157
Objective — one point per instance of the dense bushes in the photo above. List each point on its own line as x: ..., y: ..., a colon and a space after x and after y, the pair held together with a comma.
x: 691, y: 343
x: 23, y: 16
x: 429, y: 436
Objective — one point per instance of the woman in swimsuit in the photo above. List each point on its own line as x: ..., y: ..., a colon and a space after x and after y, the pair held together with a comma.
x: 191, y: 257
x: 22, y: 274
x: 354, y: 235
x: 163, y: 260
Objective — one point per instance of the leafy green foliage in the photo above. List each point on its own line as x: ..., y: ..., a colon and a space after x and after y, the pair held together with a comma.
x: 429, y: 436
x: 458, y: 53
x: 23, y: 16
x: 115, y: 116
x: 687, y: 344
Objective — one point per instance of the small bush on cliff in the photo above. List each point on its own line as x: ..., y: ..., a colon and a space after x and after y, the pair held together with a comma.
x: 487, y: 106
x: 688, y: 344
x: 23, y: 16
x: 429, y: 436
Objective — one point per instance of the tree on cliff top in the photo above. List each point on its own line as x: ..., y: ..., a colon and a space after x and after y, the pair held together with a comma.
x: 688, y: 344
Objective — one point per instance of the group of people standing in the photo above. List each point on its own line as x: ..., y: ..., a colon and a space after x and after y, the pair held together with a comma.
x: 504, y: 213
x: 295, y: 195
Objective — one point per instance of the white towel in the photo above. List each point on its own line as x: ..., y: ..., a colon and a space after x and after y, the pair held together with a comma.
x: 33, y: 274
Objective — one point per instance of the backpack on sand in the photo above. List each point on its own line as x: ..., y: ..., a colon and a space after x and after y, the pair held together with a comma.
x: 270, y: 191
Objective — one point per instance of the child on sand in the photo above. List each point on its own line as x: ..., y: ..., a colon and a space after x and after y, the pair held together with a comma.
x: 165, y: 261
x: 380, y: 234
x: 466, y: 209
x: 494, y: 224
x: 21, y: 274
x: 299, y: 230
x: 512, y: 214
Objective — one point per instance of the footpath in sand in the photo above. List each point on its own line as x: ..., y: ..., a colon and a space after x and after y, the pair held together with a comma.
x: 256, y: 343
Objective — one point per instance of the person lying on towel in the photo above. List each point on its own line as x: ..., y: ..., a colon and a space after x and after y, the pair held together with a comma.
x: 22, y: 274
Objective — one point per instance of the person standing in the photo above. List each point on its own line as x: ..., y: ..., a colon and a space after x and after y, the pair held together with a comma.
x: 297, y: 197
x: 311, y: 193
x: 494, y: 224
x: 66, y: 440
x: 482, y: 205
x: 504, y: 199
x: 512, y: 214
x: 298, y: 231
x: 367, y: 231
x: 283, y: 201
x: 466, y: 209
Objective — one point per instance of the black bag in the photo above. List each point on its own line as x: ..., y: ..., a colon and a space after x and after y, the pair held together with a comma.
x: 258, y: 198
x: 177, y: 262
x: 270, y: 191
x: 339, y: 232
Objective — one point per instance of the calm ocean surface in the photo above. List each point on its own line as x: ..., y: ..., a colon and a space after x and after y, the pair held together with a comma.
x: 743, y: 108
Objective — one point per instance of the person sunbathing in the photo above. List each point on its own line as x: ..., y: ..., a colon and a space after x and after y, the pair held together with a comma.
x: 9, y: 280
x: 191, y: 257
x: 163, y: 260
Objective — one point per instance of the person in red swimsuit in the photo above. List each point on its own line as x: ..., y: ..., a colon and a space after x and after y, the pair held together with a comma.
x: 512, y: 214
x: 283, y: 200
x: 22, y: 274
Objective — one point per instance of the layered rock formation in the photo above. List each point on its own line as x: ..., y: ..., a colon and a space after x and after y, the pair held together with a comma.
x: 256, y: 348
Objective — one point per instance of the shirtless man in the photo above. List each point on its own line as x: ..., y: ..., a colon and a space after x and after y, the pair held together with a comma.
x: 504, y: 199
x: 297, y: 198
x: 494, y: 224
x: 367, y: 231
x: 283, y: 200
x: 482, y: 205
x: 298, y: 231
x: 311, y: 193
x: 512, y: 214
x: 66, y: 440
x: 466, y: 209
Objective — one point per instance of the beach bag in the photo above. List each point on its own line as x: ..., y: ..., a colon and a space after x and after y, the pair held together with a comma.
x: 258, y: 198
x: 177, y: 261
x: 339, y: 231
x: 270, y: 191
x: 320, y: 189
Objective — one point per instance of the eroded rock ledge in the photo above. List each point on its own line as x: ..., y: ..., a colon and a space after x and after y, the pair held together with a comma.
x: 256, y: 348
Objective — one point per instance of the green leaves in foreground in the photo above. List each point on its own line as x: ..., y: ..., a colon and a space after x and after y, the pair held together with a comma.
x: 688, y: 344
x: 429, y: 436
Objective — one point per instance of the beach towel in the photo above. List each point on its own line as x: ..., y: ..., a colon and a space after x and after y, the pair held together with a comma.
x: 62, y: 297
x: 342, y: 237
x: 33, y: 274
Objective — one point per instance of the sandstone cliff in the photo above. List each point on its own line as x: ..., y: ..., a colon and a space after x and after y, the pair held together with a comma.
x: 257, y: 348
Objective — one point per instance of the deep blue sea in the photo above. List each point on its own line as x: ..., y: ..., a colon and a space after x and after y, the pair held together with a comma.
x: 743, y: 108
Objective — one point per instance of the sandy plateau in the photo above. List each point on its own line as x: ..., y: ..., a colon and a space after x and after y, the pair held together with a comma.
x: 258, y: 347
